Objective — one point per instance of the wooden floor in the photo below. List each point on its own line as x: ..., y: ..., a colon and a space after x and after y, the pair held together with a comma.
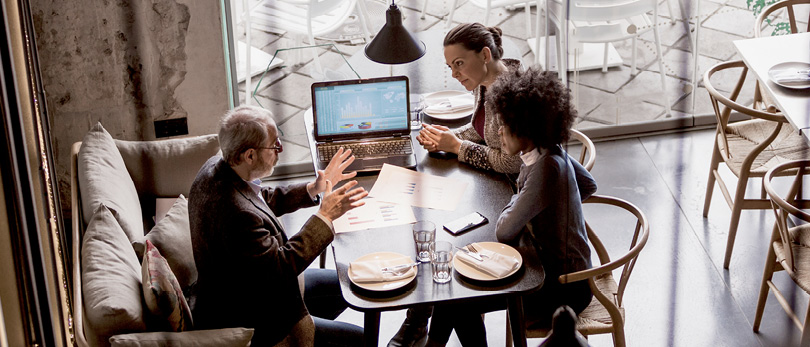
x: 679, y: 294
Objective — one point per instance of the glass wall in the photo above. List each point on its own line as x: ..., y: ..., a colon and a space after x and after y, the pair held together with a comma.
x: 613, y: 66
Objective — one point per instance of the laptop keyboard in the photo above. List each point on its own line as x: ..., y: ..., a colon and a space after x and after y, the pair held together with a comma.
x: 379, y: 149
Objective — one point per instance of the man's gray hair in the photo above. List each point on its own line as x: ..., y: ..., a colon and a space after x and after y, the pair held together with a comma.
x: 243, y: 128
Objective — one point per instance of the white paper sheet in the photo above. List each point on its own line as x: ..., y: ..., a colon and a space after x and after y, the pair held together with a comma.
x: 404, y: 186
x: 374, y: 214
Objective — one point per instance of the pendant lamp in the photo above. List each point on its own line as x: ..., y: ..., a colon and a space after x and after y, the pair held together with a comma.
x: 394, y: 44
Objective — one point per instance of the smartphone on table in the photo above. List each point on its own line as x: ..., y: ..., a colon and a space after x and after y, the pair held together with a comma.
x: 465, y: 223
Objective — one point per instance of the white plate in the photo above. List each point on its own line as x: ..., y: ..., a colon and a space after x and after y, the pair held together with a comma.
x: 470, y: 272
x: 790, y: 66
x: 444, y: 95
x: 383, y: 286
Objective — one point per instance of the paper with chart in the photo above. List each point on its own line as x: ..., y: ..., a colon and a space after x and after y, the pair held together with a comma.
x: 374, y: 214
x: 404, y: 186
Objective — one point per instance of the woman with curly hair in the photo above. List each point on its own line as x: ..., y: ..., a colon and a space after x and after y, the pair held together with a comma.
x: 473, y: 52
x: 535, y: 114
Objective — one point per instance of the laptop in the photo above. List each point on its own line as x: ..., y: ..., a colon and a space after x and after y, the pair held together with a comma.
x: 370, y: 116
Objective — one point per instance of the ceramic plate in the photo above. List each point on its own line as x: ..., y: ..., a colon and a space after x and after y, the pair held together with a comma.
x: 790, y: 66
x: 434, y: 97
x: 383, y: 286
x: 473, y: 273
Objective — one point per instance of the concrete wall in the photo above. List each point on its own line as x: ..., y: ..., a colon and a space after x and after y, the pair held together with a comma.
x: 126, y: 64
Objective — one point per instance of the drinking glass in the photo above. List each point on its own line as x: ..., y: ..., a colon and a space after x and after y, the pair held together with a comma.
x: 441, y: 261
x: 424, y: 232
x: 417, y: 106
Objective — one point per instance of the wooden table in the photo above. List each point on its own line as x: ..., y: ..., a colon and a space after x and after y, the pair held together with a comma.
x: 487, y: 192
x: 761, y: 54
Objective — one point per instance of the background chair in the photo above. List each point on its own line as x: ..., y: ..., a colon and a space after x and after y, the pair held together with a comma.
x: 603, y: 21
x: 605, y: 314
x: 772, y: 16
x: 790, y: 245
x: 749, y: 148
x: 588, y: 149
x: 488, y: 5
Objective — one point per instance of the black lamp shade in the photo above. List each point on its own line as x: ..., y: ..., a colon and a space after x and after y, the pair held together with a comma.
x: 394, y: 44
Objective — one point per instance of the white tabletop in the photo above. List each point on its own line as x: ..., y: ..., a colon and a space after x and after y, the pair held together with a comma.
x: 761, y: 54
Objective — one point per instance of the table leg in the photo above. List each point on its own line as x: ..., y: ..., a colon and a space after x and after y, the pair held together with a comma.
x: 371, y: 328
x: 515, y: 311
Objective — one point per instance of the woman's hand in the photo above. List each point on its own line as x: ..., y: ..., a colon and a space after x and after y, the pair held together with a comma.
x: 438, y: 138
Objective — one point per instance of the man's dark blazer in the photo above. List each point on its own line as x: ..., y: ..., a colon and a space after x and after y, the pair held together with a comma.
x: 248, y: 268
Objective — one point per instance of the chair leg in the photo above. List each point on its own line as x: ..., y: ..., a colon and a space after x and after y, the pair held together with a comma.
x: 805, y: 331
x: 605, y: 58
x: 661, y: 71
x: 618, y: 336
x: 633, y: 57
x: 710, y: 182
x: 486, y: 14
x: 508, y: 332
x: 736, y: 210
x: 767, y: 275
x: 424, y: 9
x: 452, y: 12
x: 323, y: 259
x: 528, y: 7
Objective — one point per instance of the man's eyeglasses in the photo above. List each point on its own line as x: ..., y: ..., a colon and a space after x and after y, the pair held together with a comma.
x: 277, y: 146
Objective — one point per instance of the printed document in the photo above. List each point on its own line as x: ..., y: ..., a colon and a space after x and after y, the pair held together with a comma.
x: 404, y: 186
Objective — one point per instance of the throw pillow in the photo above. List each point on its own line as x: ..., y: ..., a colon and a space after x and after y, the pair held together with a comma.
x: 228, y: 337
x: 172, y: 236
x: 162, y: 294
x: 166, y: 168
x: 103, y: 179
x: 111, y: 278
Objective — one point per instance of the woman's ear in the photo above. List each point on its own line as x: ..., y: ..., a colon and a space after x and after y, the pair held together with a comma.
x: 487, y: 55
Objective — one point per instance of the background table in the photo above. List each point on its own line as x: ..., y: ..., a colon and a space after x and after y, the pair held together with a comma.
x: 761, y: 54
x: 487, y: 192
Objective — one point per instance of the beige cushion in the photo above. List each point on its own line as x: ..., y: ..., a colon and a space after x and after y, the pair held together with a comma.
x: 162, y: 294
x: 199, y: 338
x: 111, y: 278
x: 172, y: 236
x: 103, y: 178
x: 166, y: 168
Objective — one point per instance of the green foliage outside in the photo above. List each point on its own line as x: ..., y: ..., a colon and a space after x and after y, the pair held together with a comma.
x: 780, y: 28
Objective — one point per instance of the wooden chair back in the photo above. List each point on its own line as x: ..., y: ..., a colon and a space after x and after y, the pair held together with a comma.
x: 729, y: 103
x: 587, y: 155
x: 626, y: 261
x: 789, y: 6
x: 791, y: 204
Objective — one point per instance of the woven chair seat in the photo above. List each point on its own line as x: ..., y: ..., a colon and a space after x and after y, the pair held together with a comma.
x: 596, y: 319
x: 744, y: 136
x: 800, y: 236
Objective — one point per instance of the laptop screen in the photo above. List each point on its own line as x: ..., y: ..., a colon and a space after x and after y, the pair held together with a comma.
x: 360, y: 108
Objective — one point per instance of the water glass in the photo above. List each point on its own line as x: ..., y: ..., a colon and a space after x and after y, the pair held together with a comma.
x: 417, y: 106
x: 441, y: 261
x: 424, y: 233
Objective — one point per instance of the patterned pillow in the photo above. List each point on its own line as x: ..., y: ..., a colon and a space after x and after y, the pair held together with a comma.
x: 162, y: 294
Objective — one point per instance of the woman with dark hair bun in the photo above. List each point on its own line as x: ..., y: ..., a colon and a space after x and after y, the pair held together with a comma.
x: 474, y: 53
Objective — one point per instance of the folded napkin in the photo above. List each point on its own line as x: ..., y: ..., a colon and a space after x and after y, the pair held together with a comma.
x: 494, y: 264
x: 371, y: 270
x: 791, y: 76
x: 450, y: 105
